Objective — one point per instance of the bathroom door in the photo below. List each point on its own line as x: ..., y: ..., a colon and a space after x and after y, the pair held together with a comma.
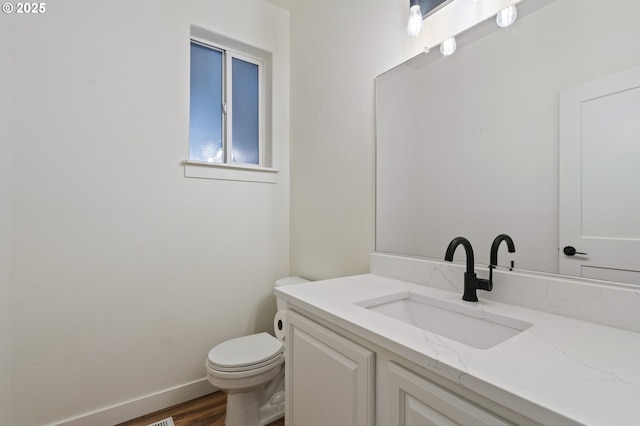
x: 600, y: 178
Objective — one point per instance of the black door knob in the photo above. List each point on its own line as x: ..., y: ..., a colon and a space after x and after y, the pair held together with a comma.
x: 570, y: 251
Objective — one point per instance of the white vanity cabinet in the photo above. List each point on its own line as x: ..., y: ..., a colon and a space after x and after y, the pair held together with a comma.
x: 412, y: 400
x: 329, y: 379
x: 337, y: 378
x: 347, y: 359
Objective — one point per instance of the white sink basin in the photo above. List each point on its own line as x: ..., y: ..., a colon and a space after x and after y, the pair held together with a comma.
x: 465, y: 324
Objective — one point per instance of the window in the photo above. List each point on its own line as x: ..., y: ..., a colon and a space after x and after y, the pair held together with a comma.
x: 225, y: 107
x: 230, y: 117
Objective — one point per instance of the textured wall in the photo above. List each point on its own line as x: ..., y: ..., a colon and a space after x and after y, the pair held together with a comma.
x: 337, y: 49
x: 6, y: 25
x: 126, y: 273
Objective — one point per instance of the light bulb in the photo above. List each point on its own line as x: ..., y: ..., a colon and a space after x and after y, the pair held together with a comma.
x: 448, y: 47
x: 415, y: 21
x: 506, y: 17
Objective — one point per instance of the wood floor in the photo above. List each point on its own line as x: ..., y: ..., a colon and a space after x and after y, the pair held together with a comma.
x: 207, y: 410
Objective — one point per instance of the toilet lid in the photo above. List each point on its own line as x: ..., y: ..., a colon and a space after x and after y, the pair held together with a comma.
x: 246, y: 351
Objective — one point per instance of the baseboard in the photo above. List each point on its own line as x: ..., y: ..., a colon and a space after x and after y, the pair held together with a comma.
x: 139, y: 407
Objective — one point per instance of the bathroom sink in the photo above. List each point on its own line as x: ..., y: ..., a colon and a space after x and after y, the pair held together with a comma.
x: 470, y: 325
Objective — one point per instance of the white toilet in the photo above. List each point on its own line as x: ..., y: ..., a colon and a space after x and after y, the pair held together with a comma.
x: 250, y: 369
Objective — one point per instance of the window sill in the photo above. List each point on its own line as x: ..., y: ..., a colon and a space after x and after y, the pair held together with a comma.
x: 238, y: 172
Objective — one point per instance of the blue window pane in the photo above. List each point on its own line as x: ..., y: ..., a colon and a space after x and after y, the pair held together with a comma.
x: 245, y: 112
x: 205, y: 132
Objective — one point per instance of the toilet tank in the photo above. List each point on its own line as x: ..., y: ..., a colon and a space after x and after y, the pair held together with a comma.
x: 287, y: 281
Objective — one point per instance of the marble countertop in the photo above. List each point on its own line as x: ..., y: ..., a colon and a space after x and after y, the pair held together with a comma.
x: 559, y: 371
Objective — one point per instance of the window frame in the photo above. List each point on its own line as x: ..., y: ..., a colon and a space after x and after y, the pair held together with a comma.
x: 229, y: 169
x: 228, y: 54
x: 231, y: 54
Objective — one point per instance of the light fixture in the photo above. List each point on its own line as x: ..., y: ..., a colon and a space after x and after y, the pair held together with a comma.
x: 506, y: 17
x: 448, y: 47
x: 415, y: 18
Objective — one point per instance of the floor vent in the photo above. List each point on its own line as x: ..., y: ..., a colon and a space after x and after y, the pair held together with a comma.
x: 166, y: 422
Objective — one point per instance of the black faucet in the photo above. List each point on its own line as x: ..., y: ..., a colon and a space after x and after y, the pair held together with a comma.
x: 493, y: 261
x: 471, y: 281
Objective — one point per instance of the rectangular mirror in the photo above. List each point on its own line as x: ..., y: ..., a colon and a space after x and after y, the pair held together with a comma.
x: 467, y: 145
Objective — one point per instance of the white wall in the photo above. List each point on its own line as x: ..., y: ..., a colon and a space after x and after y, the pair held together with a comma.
x: 337, y: 49
x: 5, y: 218
x: 125, y: 273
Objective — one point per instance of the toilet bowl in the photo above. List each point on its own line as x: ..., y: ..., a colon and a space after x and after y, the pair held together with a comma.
x: 250, y: 369
x: 242, y: 367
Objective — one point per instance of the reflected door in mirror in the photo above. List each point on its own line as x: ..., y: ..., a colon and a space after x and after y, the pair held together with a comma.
x: 599, y: 178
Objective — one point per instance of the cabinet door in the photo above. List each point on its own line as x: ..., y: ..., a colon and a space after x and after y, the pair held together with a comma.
x: 329, y: 379
x: 416, y: 401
